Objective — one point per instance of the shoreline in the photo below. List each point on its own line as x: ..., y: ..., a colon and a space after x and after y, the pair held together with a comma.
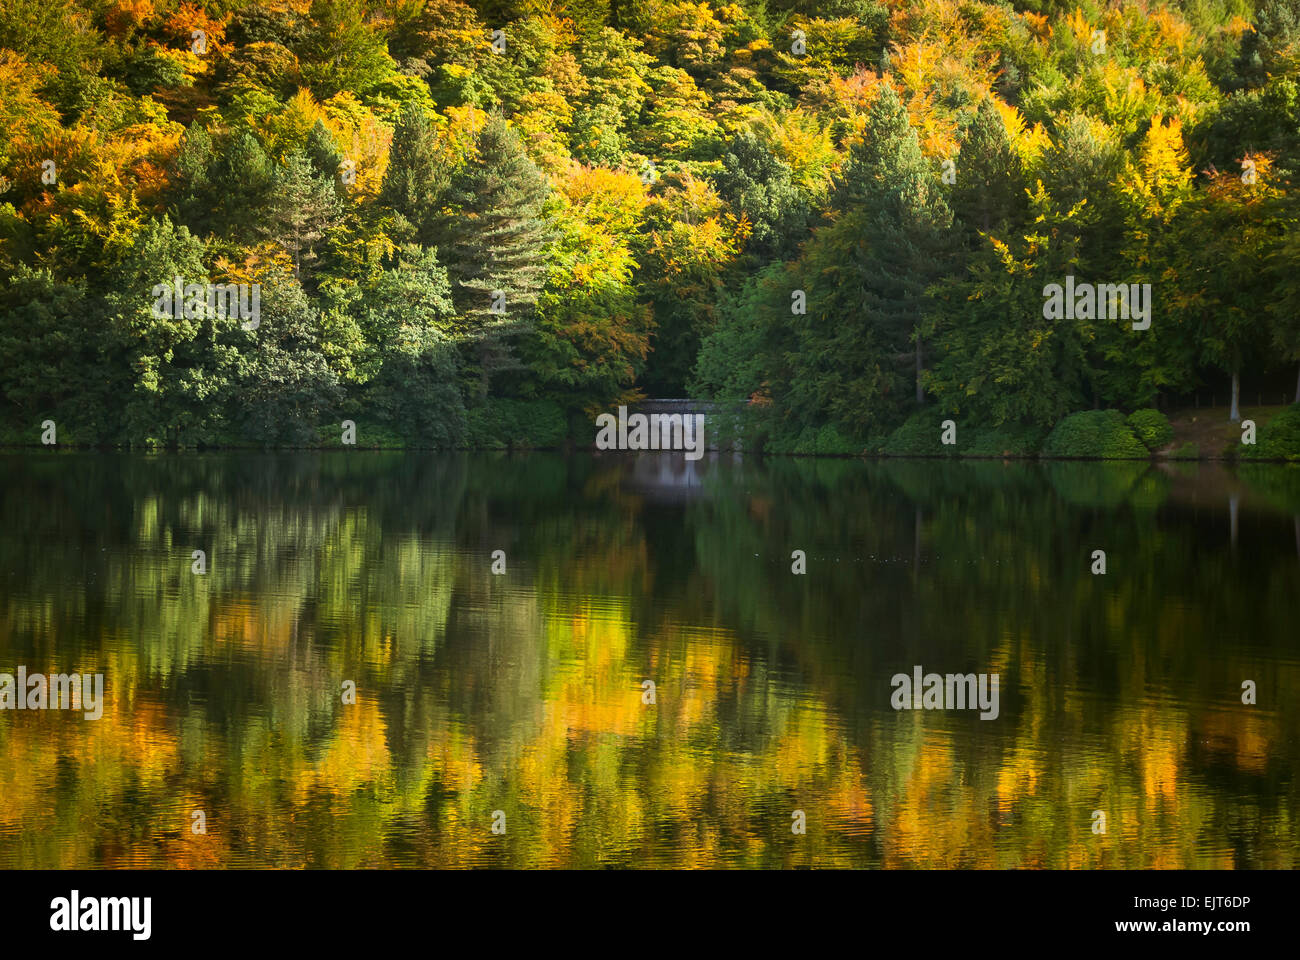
x: 594, y: 451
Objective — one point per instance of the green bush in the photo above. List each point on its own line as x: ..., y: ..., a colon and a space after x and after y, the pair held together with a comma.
x: 1188, y: 451
x: 1279, y: 439
x: 498, y: 424
x: 1152, y: 428
x: 1094, y: 434
x: 920, y: 436
x: 1008, y: 440
x: 827, y: 441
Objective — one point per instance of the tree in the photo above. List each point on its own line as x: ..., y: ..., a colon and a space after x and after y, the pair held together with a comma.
x: 1225, y: 237
x: 889, y: 190
x: 690, y: 244
x: 1283, y: 275
x: 592, y: 333
x: 494, y: 242
x: 340, y: 51
x: 998, y: 360
x: 176, y: 366
x: 286, y: 388
x: 51, y: 349
x: 409, y: 365
x: 416, y: 178
x: 1272, y: 45
x: 990, y: 190
x: 219, y: 182
x: 323, y: 152
x: 761, y: 187
x: 301, y: 208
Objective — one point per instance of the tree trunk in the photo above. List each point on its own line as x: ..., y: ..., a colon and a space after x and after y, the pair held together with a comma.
x: 1234, y: 414
x: 920, y: 392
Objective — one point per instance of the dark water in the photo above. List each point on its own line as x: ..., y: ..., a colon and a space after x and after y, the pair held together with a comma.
x: 523, y: 692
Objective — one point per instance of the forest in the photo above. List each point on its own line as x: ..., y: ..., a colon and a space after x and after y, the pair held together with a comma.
x: 481, y: 225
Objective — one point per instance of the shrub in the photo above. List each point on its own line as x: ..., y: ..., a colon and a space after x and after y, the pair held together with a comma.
x: 1279, y: 439
x: 920, y: 436
x: 1094, y: 434
x: 827, y: 441
x: 1152, y: 428
x: 1008, y: 440
x: 501, y: 423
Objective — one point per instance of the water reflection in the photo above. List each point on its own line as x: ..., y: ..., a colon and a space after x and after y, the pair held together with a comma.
x: 523, y: 693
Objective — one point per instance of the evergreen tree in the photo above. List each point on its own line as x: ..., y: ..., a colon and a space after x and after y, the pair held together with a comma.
x: 1272, y: 46
x: 889, y: 191
x: 1081, y: 167
x: 416, y: 177
x: 493, y: 239
x: 324, y: 153
x: 192, y: 195
x: 301, y: 208
x: 760, y: 185
x: 220, y: 182
x: 990, y: 189
x: 52, y: 342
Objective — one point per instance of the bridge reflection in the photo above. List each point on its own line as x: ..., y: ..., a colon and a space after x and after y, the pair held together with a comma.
x: 666, y: 475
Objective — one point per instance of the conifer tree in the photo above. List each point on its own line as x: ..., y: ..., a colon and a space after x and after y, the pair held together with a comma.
x: 494, y: 242
x: 990, y: 189
x: 302, y: 207
x: 324, y: 153
x: 416, y: 178
x: 889, y: 189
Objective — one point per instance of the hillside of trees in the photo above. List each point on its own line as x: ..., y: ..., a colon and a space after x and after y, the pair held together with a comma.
x: 481, y: 224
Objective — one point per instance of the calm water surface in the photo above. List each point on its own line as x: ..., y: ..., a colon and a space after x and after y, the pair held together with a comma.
x: 523, y: 692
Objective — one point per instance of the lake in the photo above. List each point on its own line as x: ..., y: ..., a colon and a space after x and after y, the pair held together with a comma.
x: 505, y: 719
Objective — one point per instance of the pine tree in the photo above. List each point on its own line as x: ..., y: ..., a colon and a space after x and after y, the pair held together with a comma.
x: 761, y: 186
x: 990, y: 188
x: 302, y: 207
x: 888, y: 188
x: 494, y: 242
x: 191, y: 191
x: 1272, y: 45
x: 416, y: 177
x: 324, y: 153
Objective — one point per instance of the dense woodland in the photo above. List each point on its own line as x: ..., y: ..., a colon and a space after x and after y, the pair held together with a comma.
x: 476, y: 225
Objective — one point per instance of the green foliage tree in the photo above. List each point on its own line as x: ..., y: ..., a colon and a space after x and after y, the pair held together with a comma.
x: 341, y: 51
x: 989, y: 194
x: 494, y: 240
x: 761, y: 186
x: 301, y: 208
x: 888, y: 190
x: 416, y: 178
